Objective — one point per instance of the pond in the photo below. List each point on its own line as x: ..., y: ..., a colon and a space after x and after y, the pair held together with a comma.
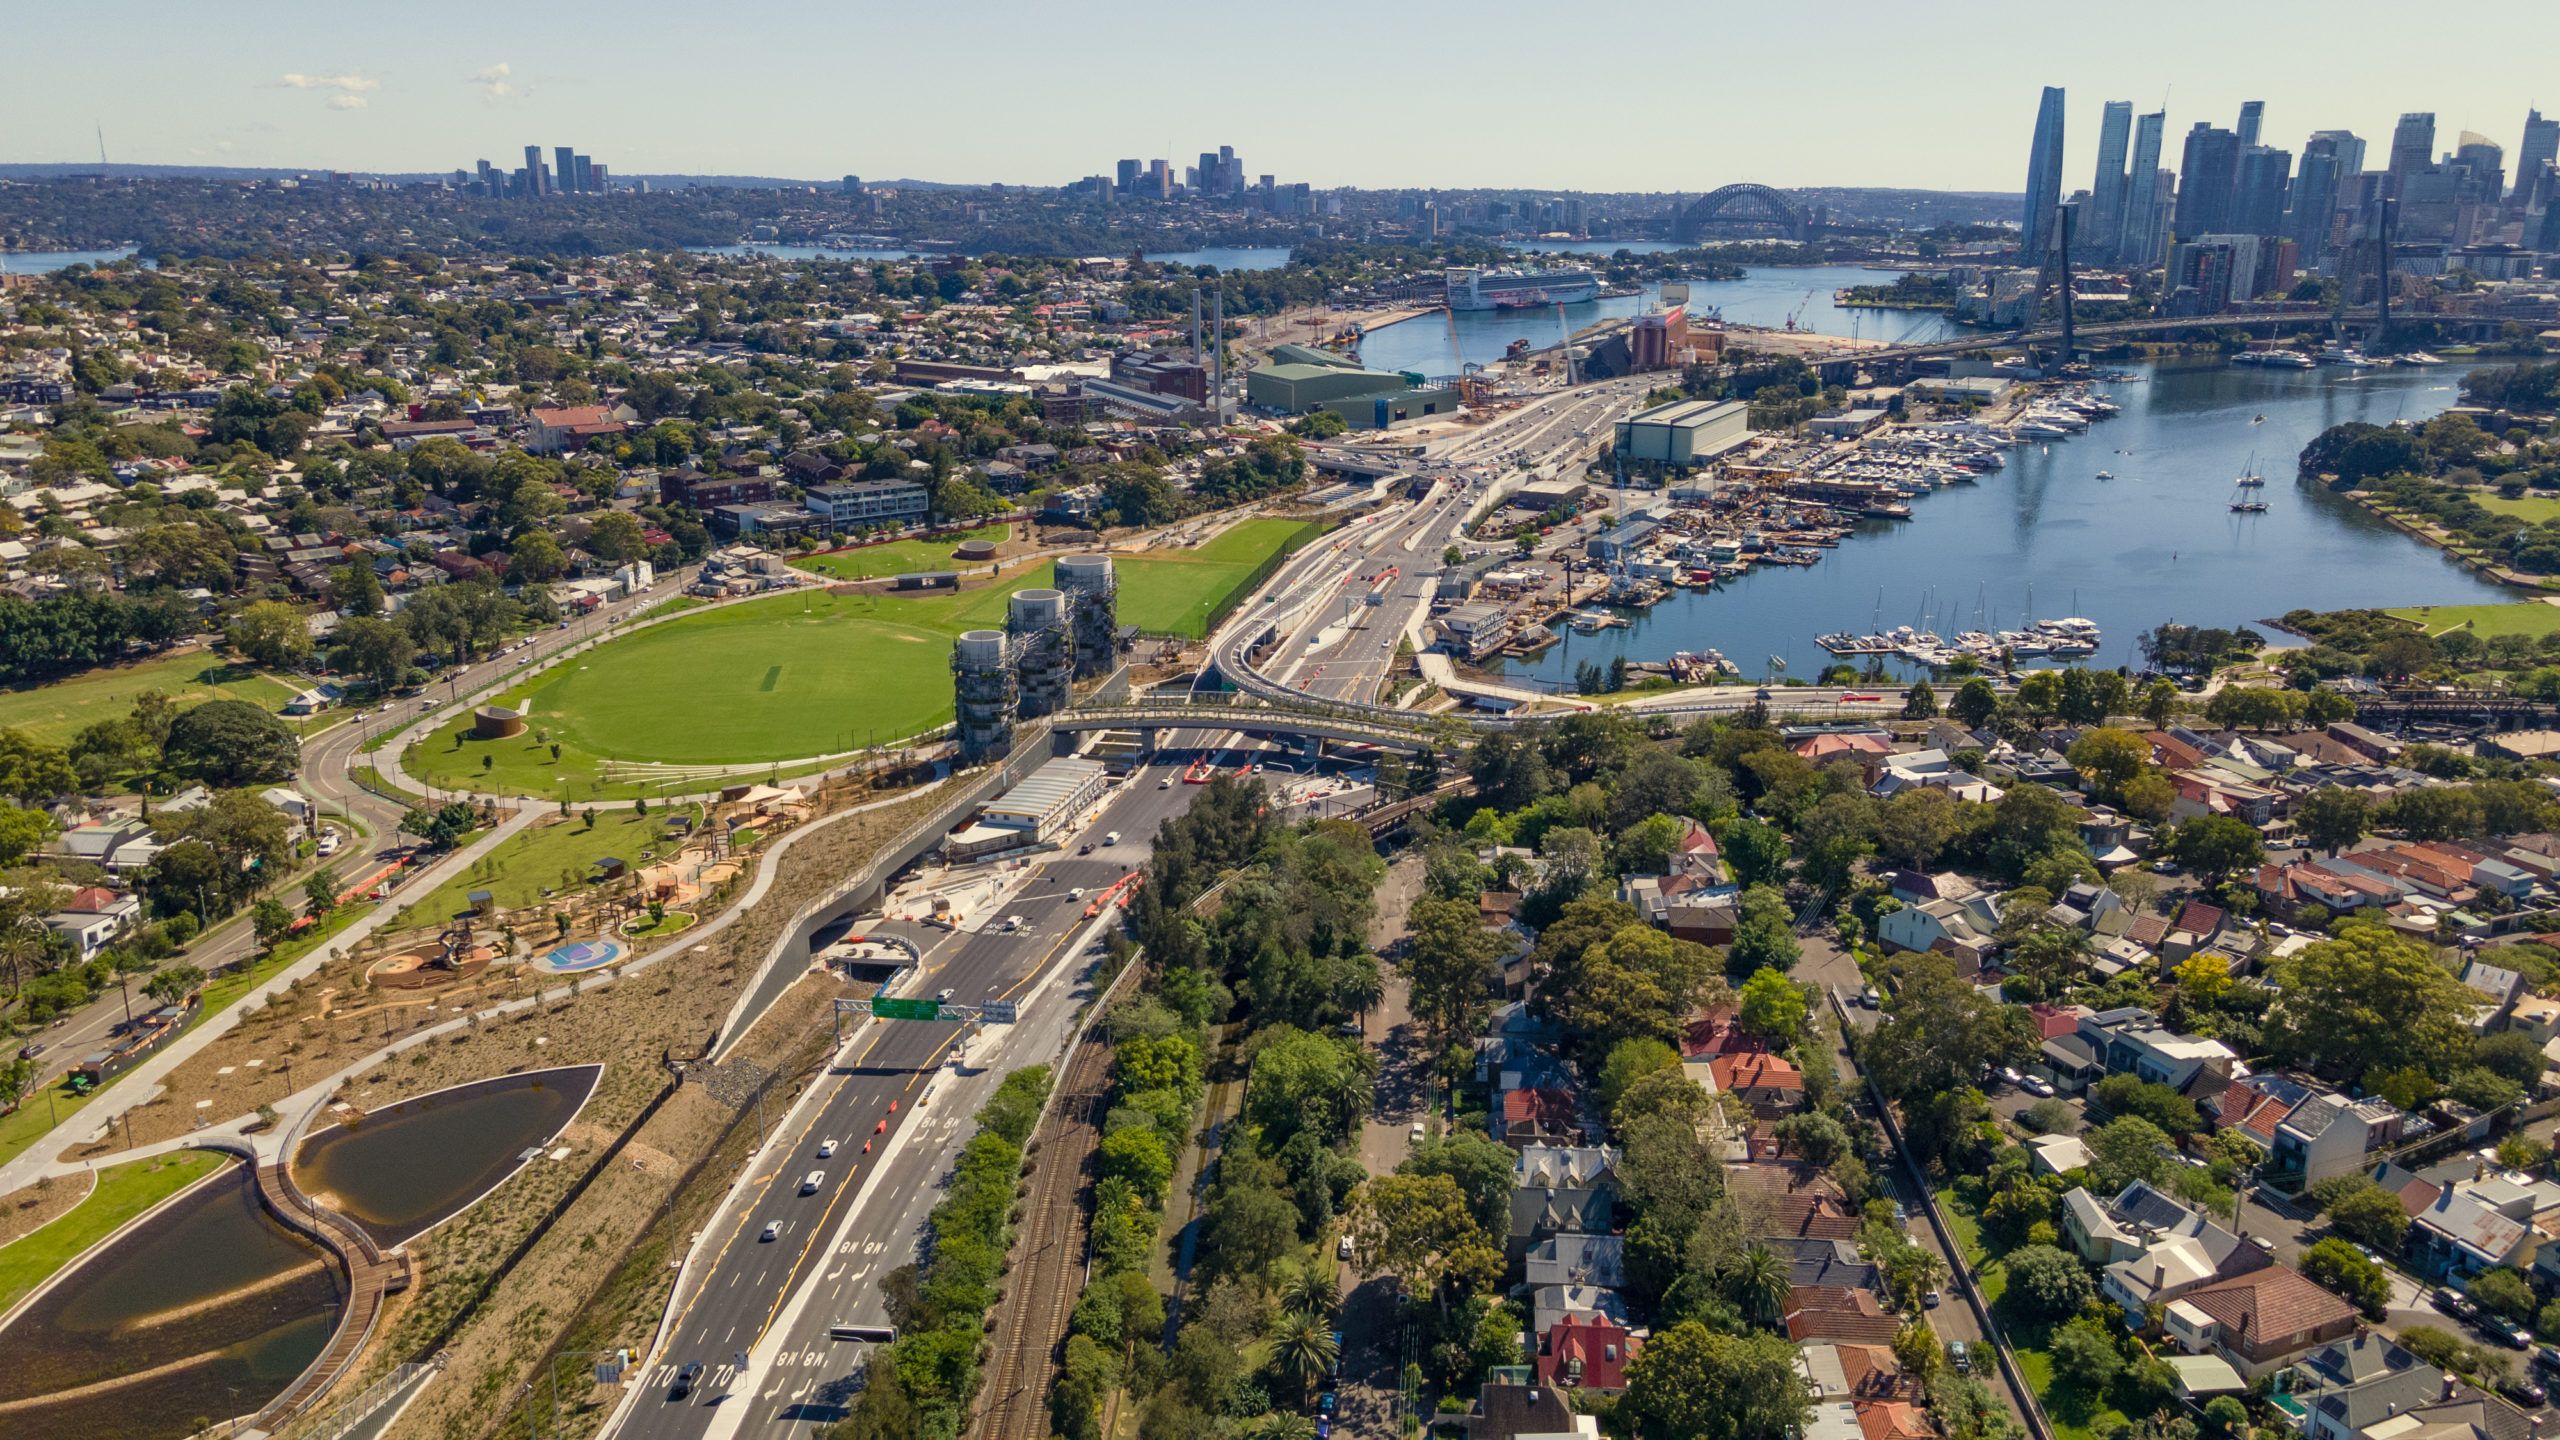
x: 406, y: 1168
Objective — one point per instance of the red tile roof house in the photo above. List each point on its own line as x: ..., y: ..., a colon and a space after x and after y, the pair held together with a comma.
x: 1893, y: 1420
x: 1577, y: 1354
x: 2261, y: 1321
x: 1850, y: 1315
x: 548, y: 432
x: 1772, y: 1088
x: 1532, y: 1116
x: 1718, y: 1031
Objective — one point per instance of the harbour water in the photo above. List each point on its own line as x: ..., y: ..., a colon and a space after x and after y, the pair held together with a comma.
x: 406, y: 1167
x: 1765, y: 296
x: 2155, y: 543
x: 219, y: 1303
x: 1268, y: 257
x: 45, y: 262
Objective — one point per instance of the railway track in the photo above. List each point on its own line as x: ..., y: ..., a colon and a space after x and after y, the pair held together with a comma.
x: 1047, y: 1269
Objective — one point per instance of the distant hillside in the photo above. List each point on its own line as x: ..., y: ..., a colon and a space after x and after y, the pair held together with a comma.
x: 243, y: 172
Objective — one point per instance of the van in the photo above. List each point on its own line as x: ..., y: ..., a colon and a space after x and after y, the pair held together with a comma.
x: 1012, y: 923
x: 873, y: 1334
x: 1111, y: 839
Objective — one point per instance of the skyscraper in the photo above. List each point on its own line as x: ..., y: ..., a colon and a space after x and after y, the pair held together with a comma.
x: 2541, y: 147
x: 2344, y: 145
x: 2413, y: 147
x: 2251, y: 112
x: 2044, y: 178
x: 533, y: 171
x: 2207, y: 174
x: 1128, y: 177
x: 586, y: 175
x: 2140, y: 229
x: 2314, y: 205
x: 565, y: 168
x: 2105, y: 215
x: 853, y: 184
x: 2257, y: 200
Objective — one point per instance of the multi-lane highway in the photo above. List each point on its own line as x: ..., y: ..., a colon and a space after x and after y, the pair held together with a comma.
x: 775, y: 1298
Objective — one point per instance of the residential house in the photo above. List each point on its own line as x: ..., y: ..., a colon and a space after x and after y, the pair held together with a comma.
x: 2105, y: 1230
x: 1578, y: 1353
x: 1854, y: 1316
x: 2329, y: 1134
x: 1539, y: 1214
x: 1834, y: 1371
x: 1505, y: 1411
x: 2057, y: 1154
x: 1964, y: 930
x: 1773, y: 1088
x: 550, y: 432
x: 2354, y: 1387
x: 1553, y: 1305
x: 1536, y: 1115
x: 2479, y: 1224
x: 1598, y: 1260
x: 1565, y: 1167
x: 1814, y: 1264
x: 2261, y: 1321
x: 2132, y: 1041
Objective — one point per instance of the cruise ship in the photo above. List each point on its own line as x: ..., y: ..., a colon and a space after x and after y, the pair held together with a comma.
x: 1520, y: 289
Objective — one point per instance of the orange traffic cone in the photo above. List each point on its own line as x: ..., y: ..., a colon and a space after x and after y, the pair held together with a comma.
x: 866, y: 1147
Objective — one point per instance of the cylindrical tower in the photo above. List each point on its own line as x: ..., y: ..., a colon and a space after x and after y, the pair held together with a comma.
x: 1043, y: 650
x: 1095, y: 616
x: 982, y: 692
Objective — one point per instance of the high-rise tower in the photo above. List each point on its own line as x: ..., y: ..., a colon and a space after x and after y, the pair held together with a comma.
x: 2044, y: 178
x: 2104, y: 231
x: 2137, y: 238
x: 2207, y: 174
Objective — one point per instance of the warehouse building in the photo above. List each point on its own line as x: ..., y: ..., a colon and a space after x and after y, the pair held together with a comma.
x: 1300, y: 381
x: 1048, y: 800
x: 1685, y: 432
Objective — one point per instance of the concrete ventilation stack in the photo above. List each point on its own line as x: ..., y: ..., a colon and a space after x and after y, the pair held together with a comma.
x: 1044, y: 650
x: 982, y: 688
x: 1092, y: 593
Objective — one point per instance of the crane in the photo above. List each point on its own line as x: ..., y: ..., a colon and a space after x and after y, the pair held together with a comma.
x: 1799, y: 310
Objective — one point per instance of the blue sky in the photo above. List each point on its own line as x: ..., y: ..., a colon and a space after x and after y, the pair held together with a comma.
x: 1600, y: 96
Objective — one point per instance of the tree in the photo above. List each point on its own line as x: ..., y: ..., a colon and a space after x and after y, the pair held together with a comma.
x: 1304, y: 1348
x: 1693, y: 1383
x: 320, y: 892
x: 1975, y: 702
x: 2048, y: 1283
x: 1943, y: 1032
x: 2216, y: 845
x: 2368, y: 1001
x: 2085, y: 1356
x: 1757, y: 852
x: 32, y: 771
x: 355, y: 589
x: 2435, y: 812
x: 1919, y: 702
x: 2502, y: 1291
x: 273, y: 922
x: 1762, y: 943
x: 1761, y: 1283
x: 2129, y: 1149
x: 1912, y: 827
x: 2337, y: 1266
x: 1510, y: 770
x: 616, y: 538
x: 1447, y: 965
x: 232, y: 742
x: 2161, y: 703
x: 1631, y: 1060
x: 173, y: 983
x: 271, y: 633
x: 1480, y: 1165
x: 22, y: 831
x: 378, y: 650
x: 1772, y: 1005
x: 2334, y: 817
x: 2109, y: 759
x: 534, y: 557
x: 1421, y: 1229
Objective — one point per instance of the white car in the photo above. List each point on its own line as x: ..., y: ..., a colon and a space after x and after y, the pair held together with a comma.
x: 809, y: 1184
x: 826, y: 1149
x: 2037, y: 1085
x: 772, y: 1230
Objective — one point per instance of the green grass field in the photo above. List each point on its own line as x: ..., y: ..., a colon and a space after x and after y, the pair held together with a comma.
x: 2532, y: 509
x: 898, y: 557
x: 786, y: 678
x: 517, y: 872
x: 2526, y: 617
x: 55, y: 712
x: 123, y: 1192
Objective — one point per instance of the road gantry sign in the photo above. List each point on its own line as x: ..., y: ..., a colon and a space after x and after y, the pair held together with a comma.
x: 891, y: 1009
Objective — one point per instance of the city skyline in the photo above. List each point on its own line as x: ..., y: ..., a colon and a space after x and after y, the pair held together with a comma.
x: 314, y: 89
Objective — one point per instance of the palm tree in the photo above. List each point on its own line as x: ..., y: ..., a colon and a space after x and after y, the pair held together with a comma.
x: 1304, y: 1348
x: 1312, y: 1292
x: 1760, y: 1282
x: 1281, y: 1425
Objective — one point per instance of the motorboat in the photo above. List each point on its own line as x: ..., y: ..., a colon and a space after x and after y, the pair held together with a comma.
x: 2106, y: 474
x: 2249, y: 507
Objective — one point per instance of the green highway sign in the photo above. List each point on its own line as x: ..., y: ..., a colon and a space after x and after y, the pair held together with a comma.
x: 906, y: 1009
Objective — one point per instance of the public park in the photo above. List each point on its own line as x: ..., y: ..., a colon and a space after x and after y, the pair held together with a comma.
x: 782, y: 686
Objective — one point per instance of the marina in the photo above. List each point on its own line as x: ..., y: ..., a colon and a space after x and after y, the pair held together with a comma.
x: 2001, y: 517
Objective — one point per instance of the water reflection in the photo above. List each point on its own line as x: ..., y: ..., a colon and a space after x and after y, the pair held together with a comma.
x: 404, y: 1168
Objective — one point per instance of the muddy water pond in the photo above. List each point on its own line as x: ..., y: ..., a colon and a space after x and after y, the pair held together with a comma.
x: 402, y: 1170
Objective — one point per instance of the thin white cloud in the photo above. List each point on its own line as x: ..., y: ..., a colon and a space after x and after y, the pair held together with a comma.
x: 346, y: 102
x: 350, y: 82
x: 494, y: 81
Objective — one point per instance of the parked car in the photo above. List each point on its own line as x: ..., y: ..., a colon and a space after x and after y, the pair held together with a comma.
x: 2037, y: 1085
x: 2525, y: 1392
x: 1959, y: 1357
x: 1342, y: 1248
x: 1929, y: 1301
